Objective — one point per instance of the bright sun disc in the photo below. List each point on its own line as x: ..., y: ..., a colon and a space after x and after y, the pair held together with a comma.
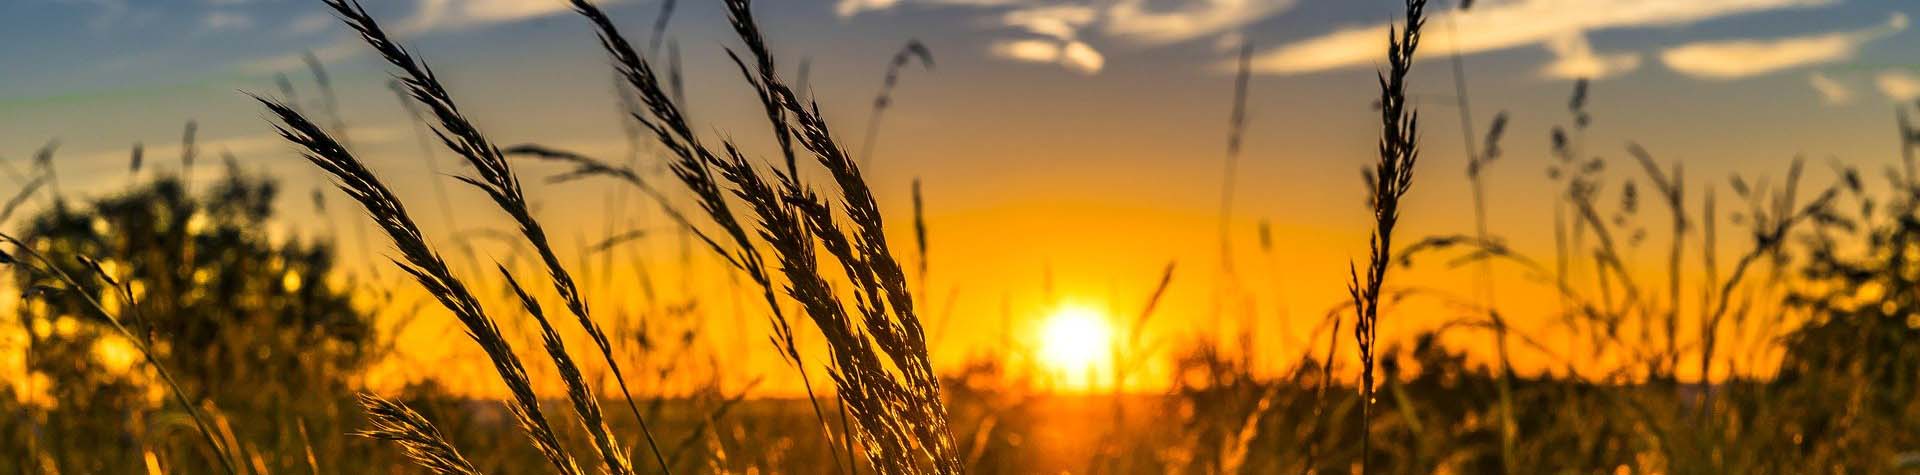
x: 1076, y: 342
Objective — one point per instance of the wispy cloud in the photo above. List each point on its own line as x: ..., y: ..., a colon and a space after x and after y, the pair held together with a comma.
x: 1898, y: 85
x: 848, y: 8
x: 1070, y: 27
x: 1831, y: 91
x: 1574, y: 58
x: 106, y: 14
x: 1073, y: 55
x: 1054, y: 21
x: 1553, y: 24
x: 430, y: 16
x: 310, y: 24
x: 340, y: 48
x: 1139, y: 21
x: 1735, y: 59
x: 459, y: 14
x: 223, y: 21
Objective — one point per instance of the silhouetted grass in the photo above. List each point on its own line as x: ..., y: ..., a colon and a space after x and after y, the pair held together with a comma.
x: 1387, y: 181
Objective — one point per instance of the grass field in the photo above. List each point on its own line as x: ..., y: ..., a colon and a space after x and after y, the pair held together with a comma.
x: 1766, y: 322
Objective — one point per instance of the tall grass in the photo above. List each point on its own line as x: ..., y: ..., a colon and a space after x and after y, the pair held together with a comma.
x: 1236, y: 132
x: 913, y: 50
x: 422, y: 442
x: 815, y: 252
x: 498, y: 180
x: 876, y: 342
x: 1387, y: 181
x: 423, y: 263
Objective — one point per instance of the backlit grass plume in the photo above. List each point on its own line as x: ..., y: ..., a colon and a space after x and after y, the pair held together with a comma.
x: 876, y: 342
x: 495, y: 177
x: 422, y: 442
x: 419, y: 259
x: 1388, y: 181
x: 913, y: 50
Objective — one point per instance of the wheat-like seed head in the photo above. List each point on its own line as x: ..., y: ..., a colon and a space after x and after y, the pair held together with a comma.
x: 418, y: 438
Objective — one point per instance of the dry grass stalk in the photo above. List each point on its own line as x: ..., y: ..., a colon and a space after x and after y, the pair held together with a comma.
x: 419, y: 260
x: 660, y: 22
x: 877, y: 344
x: 496, y: 178
x: 662, y: 115
x: 418, y: 438
x: 328, y: 101
x: 1672, y: 189
x: 1236, y: 129
x: 914, y: 49
x: 586, y: 404
x: 20, y: 198
x: 1772, y: 217
x: 1388, y: 181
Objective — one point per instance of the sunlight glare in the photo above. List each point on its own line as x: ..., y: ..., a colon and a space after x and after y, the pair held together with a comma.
x: 1076, y: 343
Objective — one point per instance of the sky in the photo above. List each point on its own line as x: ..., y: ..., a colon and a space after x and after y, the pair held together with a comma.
x: 1068, y: 150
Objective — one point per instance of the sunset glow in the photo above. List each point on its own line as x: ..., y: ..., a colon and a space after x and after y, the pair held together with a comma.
x: 905, y: 237
x: 1076, y: 344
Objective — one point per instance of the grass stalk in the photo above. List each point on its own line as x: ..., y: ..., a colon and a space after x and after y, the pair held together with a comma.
x: 417, y: 437
x: 425, y: 265
x: 495, y: 177
x: 877, y: 344
x: 914, y: 49
x: 1388, y: 181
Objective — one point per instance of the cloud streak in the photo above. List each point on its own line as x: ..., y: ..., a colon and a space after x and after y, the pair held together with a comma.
x: 1066, y: 29
x: 428, y: 17
x: 460, y: 14
x: 1898, y: 86
x: 1135, y: 20
x: 1831, y: 91
x: 1495, y: 27
x: 1736, y: 59
x: 1073, y: 55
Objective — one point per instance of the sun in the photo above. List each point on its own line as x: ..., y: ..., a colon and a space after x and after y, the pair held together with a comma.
x: 1076, y: 343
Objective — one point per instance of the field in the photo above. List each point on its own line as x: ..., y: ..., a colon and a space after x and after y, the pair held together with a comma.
x: 736, y: 290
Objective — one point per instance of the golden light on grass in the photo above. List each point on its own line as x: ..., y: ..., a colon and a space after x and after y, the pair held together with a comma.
x: 1076, y: 345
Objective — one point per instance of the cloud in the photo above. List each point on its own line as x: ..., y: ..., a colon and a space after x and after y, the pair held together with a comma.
x: 1898, y: 85
x: 430, y: 16
x: 341, y: 48
x: 1071, y: 27
x: 1134, y: 20
x: 1735, y: 59
x: 849, y: 8
x: 1496, y: 27
x: 1832, y: 92
x: 1574, y: 58
x: 219, y: 21
x: 1079, y: 56
x: 310, y: 24
x: 107, y: 13
x: 1073, y: 55
x: 462, y: 14
x: 1062, y: 22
